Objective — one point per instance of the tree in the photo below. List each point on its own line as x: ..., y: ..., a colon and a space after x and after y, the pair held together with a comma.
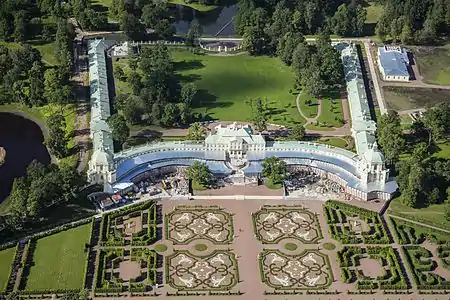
x: 20, y: 26
x: 52, y: 86
x: 199, y: 173
x: 134, y: 79
x: 196, y: 132
x: 119, y: 73
x: 171, y: 115
x: 132, y: 110
x: 437, y: 119
x: 187, y: 94
x: 37, y: 88
x: 298, y: 132
x: 274, y: 169
x: 57, y: 140
x: 390, y: 136
x: 119, y: 127
x: 194, y: 33
x: 259, y: 113
x: 253, y: 41
x: 18, y: 199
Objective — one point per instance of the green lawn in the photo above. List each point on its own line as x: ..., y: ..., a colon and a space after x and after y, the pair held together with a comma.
x: 406, y: 122
x: 308, y: 110
x: 444, y: 151
x: 331, y: 112
x: 374, y: 11
x: 6, y: 259
x: 59, y: 260
x: 434, y: 64
x: 333, y: 141
x: 47, y: 50
x: 432, y: 215
x: 226, y: 82
x: 404, y: 98
x: 195, y: 6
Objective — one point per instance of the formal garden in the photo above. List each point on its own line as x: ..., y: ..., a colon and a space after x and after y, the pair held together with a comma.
x: 122, y: 270
x: 372, y: 267
x: 275, y: 223
x: 188, y: 223
x: 306, y: 271
x: 217, y: 271
x: 427, y: 273
x: 350, y: 224
x: 136, y: 226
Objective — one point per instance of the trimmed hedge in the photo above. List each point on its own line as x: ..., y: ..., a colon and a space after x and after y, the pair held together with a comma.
x: 409, y: 233
x: 421, y: 264
x: 336, y: 214
x: 350, y: 256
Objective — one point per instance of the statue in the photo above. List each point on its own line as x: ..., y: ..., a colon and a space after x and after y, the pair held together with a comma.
x: 2, y: 156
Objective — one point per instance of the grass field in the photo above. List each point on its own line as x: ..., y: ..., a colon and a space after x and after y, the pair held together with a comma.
x: 6, y: 258
x: 374, y: 11
x: 403, y: 98
x: 432, y: 215
x: 333, y: 141
x: 60, y: 260
x: 434, y: 64
x: 195, y: 6
x: 309, y: 110
x: 47, y: 50
x: 226, y: 82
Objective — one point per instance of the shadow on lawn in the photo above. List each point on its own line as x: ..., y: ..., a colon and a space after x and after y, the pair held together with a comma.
x: 188, y: 65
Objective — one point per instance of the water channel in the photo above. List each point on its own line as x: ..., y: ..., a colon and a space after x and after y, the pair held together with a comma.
x: 217, y: 22
x: 23, y: 141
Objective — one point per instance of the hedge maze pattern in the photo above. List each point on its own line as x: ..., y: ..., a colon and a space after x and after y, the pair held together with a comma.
x: 309, y: 270
x: 349, y: 224
x: 121, y: 270
x: 215, y: 272
x: 274, y: 223
x: 392, y: 277
x: 136, y: 226
x: 422, y: 265
x: 408, y: 233
x: 187, y: 223
x: 444, y: 254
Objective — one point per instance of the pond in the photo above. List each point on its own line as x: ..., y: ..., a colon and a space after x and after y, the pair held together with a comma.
x: 217, y: 22
x: 23, y: 141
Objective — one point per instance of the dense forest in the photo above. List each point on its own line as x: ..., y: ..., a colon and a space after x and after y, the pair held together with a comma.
x: 414, y: 21
x: 423, y: 179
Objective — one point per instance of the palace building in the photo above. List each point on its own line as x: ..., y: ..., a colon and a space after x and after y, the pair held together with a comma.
x: 235, y: 151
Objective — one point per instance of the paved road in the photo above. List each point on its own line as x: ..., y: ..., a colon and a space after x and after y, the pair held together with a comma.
x: 417, y: 84
x: 378, y: 93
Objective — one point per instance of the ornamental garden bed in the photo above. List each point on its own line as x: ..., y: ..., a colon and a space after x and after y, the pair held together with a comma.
x: 214, y: 272
x: 307, y: 271
x: 275, y: 223
x: 425, y: 269
x: 372, y: 268
x: 350, y: 224
x: 188, y: 223
x: 135, y: 225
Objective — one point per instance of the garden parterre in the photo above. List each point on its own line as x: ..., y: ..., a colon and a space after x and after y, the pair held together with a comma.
x: 228, y: 266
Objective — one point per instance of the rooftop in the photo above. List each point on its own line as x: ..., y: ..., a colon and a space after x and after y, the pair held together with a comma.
x: 394, y: 61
